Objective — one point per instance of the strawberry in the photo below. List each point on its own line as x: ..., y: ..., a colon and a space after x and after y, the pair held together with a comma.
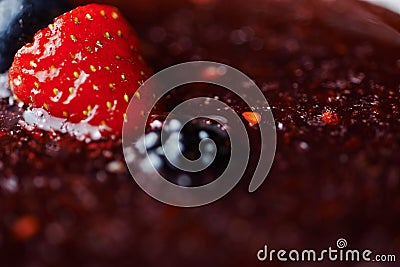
x: 85, y: 67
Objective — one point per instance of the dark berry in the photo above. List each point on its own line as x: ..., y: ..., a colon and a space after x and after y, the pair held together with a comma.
x: 190, y: 137
x: 20, y: 19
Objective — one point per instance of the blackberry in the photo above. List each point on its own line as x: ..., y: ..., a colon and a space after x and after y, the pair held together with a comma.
x: 198, y: 131
x: 20, y: 20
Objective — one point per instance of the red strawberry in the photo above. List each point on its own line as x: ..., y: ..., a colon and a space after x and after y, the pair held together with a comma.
x: 85, y: 68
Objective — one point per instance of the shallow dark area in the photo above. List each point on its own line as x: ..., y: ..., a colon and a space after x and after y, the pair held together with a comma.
x: 331, y: 73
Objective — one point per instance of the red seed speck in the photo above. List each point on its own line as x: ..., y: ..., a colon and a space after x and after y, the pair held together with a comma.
x: 252, y: 117
x: 330, y: 117
x: 25, y: 227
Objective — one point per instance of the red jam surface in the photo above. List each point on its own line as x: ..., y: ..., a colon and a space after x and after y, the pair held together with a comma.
x: 331, y: 73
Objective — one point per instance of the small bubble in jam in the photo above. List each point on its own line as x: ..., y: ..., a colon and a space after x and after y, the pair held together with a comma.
x: 40, y: 118
x: 9, y: 184
x: 212, y: 73
x: 253, y: 118
x: 304, y: 146
x: 115, y: 167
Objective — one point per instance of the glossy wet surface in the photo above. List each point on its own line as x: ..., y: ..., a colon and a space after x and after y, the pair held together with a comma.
x: 332, y: 78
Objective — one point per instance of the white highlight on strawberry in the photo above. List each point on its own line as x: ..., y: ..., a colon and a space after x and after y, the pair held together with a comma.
x: 42, y: 76
x: 40, y: 118
x: 81, y: 79
x: 78, y: 82
x: 53, y: 44
x: 57, y: 97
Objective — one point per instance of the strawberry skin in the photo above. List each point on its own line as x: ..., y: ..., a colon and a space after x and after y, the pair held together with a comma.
x: 85, y: 67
